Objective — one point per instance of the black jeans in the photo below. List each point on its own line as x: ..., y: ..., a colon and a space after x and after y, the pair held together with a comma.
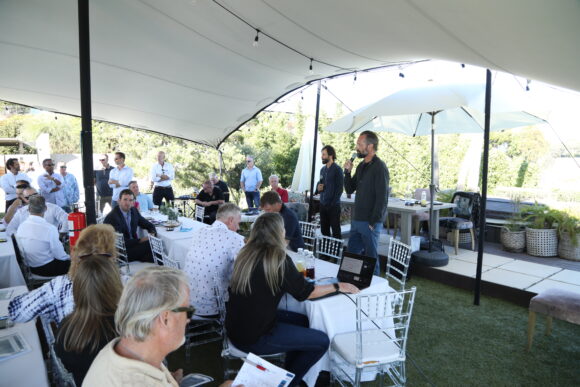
x: 52, y: 269
x: 159, y: 193
x: 140, y: 252
x: 330, y: 218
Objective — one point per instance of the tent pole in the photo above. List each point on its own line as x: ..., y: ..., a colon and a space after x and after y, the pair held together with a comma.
x: 86, y: 114
x: 314, y: 155
x: 221, y: 161
x: 432, y: 183
x: 484, y: 170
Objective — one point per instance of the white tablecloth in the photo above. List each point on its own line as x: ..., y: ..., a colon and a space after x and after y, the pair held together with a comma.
x: 332, y: 315
x: 177, y: 242
x: 10, y: 274
x: 27, y: 369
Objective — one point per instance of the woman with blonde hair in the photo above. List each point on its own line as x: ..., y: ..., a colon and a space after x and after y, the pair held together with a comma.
x: 262, y: 274
x: 55, y: 297
x: 97, y: 289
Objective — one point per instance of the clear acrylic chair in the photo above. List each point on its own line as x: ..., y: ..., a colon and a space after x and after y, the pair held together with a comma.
x: 378, y: 346
x: 127, y: 268
x: 60, y: 376
x: 199, y: 213
x: 329, y: 247
x: 230, y: 353
x: 159, y: 255
x: 398, y: 260
x: 308, y: 231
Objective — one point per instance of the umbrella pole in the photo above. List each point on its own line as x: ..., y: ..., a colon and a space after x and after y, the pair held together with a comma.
x: 86, y: 114
x: 314, y: 155
x: 484, y: 171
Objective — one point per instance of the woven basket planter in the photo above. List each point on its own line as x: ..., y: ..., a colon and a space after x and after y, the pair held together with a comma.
x: 464, y: 237
x: 567, y: 250
x: 513, y: 241
x: 542, y: 242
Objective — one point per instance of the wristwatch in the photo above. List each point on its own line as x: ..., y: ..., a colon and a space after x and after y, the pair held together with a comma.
x: 336, y: 287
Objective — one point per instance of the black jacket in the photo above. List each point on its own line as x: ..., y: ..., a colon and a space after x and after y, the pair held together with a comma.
x: 116, y: 219
x: 371, y: 182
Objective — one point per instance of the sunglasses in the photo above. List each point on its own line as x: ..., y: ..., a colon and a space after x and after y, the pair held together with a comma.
x: 187, y: 309
x: 62, y: 167
x: 29, y: 196
x: 248, y: 161
x: 49, y: 165
x: 102, y: 159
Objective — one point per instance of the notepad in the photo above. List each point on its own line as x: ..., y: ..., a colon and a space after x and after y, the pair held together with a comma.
x: 12, y: 345
x: 257, y: 372
x: 6, y: 294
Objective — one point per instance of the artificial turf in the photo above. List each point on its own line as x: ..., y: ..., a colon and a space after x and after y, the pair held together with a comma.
x: 454, y: 343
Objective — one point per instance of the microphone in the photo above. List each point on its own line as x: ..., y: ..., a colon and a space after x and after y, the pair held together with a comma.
x: 352, y: 157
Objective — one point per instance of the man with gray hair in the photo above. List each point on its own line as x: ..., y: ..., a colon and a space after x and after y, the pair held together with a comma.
x: 211, y: 254
x: 151, y: 318
x: 53, y: 215
x: 215, y: 179
x: 39, y: 243
x: 275, y: 186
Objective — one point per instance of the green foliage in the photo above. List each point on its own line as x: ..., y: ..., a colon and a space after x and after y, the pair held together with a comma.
x: 568, y: 226
x: 540, y: 216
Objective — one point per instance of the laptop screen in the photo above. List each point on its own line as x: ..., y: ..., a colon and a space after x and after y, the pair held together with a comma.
x: 357, y: 270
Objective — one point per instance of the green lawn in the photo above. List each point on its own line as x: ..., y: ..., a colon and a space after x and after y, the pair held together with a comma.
x: 456, y: 343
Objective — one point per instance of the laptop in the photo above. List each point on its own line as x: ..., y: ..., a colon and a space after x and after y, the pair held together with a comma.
x: 355, y: 269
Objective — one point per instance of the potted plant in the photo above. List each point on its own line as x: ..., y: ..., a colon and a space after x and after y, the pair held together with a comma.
x: 541, y: 235
x: 568, y: 230
x: 513, y: 233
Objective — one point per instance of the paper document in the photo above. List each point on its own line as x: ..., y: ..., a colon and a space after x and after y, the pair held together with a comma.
x: 257, y: 372
x: 6, y: 294
x: 12, y: 345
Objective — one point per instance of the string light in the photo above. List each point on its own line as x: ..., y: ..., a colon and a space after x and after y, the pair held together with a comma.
x: 355, y: 74
x: 401, y: 75
x: 528, y: 81
x: 463, y: 65
x: 256, y: 39
x: 310, y: 70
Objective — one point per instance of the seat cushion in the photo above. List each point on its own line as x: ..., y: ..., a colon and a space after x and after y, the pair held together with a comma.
x: 377, y: 347
x: 456, y: 223
x: 560, y: 304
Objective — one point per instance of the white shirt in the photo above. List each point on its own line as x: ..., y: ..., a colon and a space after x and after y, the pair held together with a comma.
x: 166, y: 169
x: 53, y: 215
x: 8, y: 183
x: 123, y: 176
x: 39, y: 241
x: 211, y: 254
x: 45, y: 186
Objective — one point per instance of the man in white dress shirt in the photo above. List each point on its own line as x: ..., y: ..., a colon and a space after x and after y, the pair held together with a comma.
x: 120, y: 177
x: 50, y: 185
x: 8, y: 181
x: 211, y: 254
x: 39, y: 242
x: 53, y: 215
x: 162, y: 174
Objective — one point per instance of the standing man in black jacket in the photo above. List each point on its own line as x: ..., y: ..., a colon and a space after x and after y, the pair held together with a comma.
x: 371, y: 182
x: 125, y: 218
x: 330, y: 189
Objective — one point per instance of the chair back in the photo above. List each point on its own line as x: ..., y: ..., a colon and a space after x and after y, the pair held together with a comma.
x: 122, y: 258
x: 300, y: 209
x: 398, y: 260
x: 467, y: 205
x: 199, y: 213
x: 61, y: 377
x: 20, y: 258
x: 159, y: 255
x: 382, y: 321
x: 330, y: 247
x: 308, y: 231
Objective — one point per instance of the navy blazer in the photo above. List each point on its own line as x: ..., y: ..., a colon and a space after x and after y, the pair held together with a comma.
x: 116, y: 219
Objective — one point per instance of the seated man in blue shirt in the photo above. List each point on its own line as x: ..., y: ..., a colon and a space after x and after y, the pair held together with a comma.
x: 271, y: 202
x: 145, y: 201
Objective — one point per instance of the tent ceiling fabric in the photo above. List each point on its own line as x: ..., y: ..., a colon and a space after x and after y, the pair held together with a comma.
x: 188, y: 68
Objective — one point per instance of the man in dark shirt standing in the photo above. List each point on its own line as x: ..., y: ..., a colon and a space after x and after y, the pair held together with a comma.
x: 104, y: 191
x: 210, y: 198
x: 371, y: 182
x: 271, y: 202
x: 330, y: 189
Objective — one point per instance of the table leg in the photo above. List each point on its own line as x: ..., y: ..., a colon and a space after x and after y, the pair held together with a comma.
x: 406, y: 227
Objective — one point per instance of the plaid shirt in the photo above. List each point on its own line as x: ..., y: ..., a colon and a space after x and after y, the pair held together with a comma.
x: 54, y: 299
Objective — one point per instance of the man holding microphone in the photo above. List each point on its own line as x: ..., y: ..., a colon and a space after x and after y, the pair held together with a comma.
x: 371, y: 182
x: 330, y: 189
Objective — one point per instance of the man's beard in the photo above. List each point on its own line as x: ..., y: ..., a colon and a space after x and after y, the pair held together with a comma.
x: 325, y: 161
x: 361, y: 155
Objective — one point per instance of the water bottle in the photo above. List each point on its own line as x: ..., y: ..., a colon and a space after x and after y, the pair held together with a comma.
x: 423, y: 199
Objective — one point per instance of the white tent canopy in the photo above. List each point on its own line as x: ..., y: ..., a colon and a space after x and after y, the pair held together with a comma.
x: 188, y: 68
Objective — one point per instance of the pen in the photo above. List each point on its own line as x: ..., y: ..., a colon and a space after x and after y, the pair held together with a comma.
x: 258, y: 366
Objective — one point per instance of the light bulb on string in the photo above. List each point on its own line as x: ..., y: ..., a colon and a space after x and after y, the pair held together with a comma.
x: 310, y: 70
x: 401, y: 75
x: 354, y: 80
x: 528, y: 81
x: 463, y: 65
x: 256, y: 42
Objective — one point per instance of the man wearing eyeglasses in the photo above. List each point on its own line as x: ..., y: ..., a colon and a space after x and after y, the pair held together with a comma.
x: 250, y: 183
x: 120, y: 177
x: 162, y: 174
x: 8, y: 181
x: 104, y: 192
x: 51, y: 185
x: 53, y: 215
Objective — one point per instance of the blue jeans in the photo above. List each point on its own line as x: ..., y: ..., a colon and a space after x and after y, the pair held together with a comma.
x: 303, y: 346
x: 364, y: 241
x: 253, y: 199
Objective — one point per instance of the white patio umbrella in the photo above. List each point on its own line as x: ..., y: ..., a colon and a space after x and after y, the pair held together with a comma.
x: 439, y: 109
x: 302, y: 172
